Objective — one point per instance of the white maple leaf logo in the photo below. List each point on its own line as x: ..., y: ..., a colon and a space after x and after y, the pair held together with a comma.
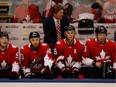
x: 3, y: 64
x: 15, y: 64
x: 69, y: 61
x: 102, y: 55
x: 36, y: 66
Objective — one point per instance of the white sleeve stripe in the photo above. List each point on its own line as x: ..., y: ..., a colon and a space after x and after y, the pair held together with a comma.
x: 15, y: 67
x: 60, y: 58
x: 60, y: 65
x: 77, y: 65
x: 87, y: 61
x: 48, y: 61
x: 26, y: 70
x: 114, y: 65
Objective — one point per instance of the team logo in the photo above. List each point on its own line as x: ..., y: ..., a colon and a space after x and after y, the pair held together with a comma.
x: 102, y: 56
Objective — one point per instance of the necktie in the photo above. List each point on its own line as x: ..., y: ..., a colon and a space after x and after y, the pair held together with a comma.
x: 58, y: 30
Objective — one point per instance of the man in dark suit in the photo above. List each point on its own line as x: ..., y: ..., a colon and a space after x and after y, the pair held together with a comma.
x: 50, y: 26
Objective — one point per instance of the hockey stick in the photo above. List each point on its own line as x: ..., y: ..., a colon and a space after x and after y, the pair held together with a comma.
x: 103, y: 69
x: 34, y: 63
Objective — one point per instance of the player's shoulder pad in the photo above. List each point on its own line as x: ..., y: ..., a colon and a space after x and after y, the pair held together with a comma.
x: 28, y: 45
x: 112, y: 41
x: 58, y: 42
x: 13, y: 46
x: 88, y: 39
x: 81, y: 42
x: 44, y: 44
x: 22, y: 48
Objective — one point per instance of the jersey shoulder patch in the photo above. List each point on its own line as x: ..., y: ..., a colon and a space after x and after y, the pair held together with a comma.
x: 14, y: 46
x: 44, y: 44
x: 58, y: 42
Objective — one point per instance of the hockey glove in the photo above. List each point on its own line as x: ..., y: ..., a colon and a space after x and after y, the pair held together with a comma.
x: 46, y: 73
x: 65, y: 72
x: 74, y: 73
x: 14, y: 75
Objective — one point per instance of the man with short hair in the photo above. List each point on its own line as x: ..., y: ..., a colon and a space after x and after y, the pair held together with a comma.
x: 36, y: 58
x: 68, y: 54
x: 53, y: 26
x: 9, y: 58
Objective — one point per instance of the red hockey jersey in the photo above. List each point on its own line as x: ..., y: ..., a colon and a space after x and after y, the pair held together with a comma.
x: 28, y: 56
x: 9, y: 60
x: 70, y: 54
x: 95, y: 51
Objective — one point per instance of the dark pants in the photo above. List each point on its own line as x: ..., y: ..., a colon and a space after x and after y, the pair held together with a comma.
x: 94, y: 72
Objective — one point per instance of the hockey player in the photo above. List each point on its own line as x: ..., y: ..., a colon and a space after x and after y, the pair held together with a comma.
x: 9, y: 58
x: 67, y: 54
x: 99, y: 57
x: 36, y: 58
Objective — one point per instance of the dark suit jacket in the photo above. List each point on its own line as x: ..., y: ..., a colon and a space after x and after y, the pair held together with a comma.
x: 50, y: 30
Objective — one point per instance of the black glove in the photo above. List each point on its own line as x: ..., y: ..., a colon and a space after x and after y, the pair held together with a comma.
x: 74, y: 73
x: 14, y: 75
x: 46, y: 73
x: 65, y: 72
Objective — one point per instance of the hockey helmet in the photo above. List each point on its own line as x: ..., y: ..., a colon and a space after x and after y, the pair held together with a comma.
x: 68, y: 28
x: 4, y: 34
x: 34, y: 34
x: 101, y: 29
